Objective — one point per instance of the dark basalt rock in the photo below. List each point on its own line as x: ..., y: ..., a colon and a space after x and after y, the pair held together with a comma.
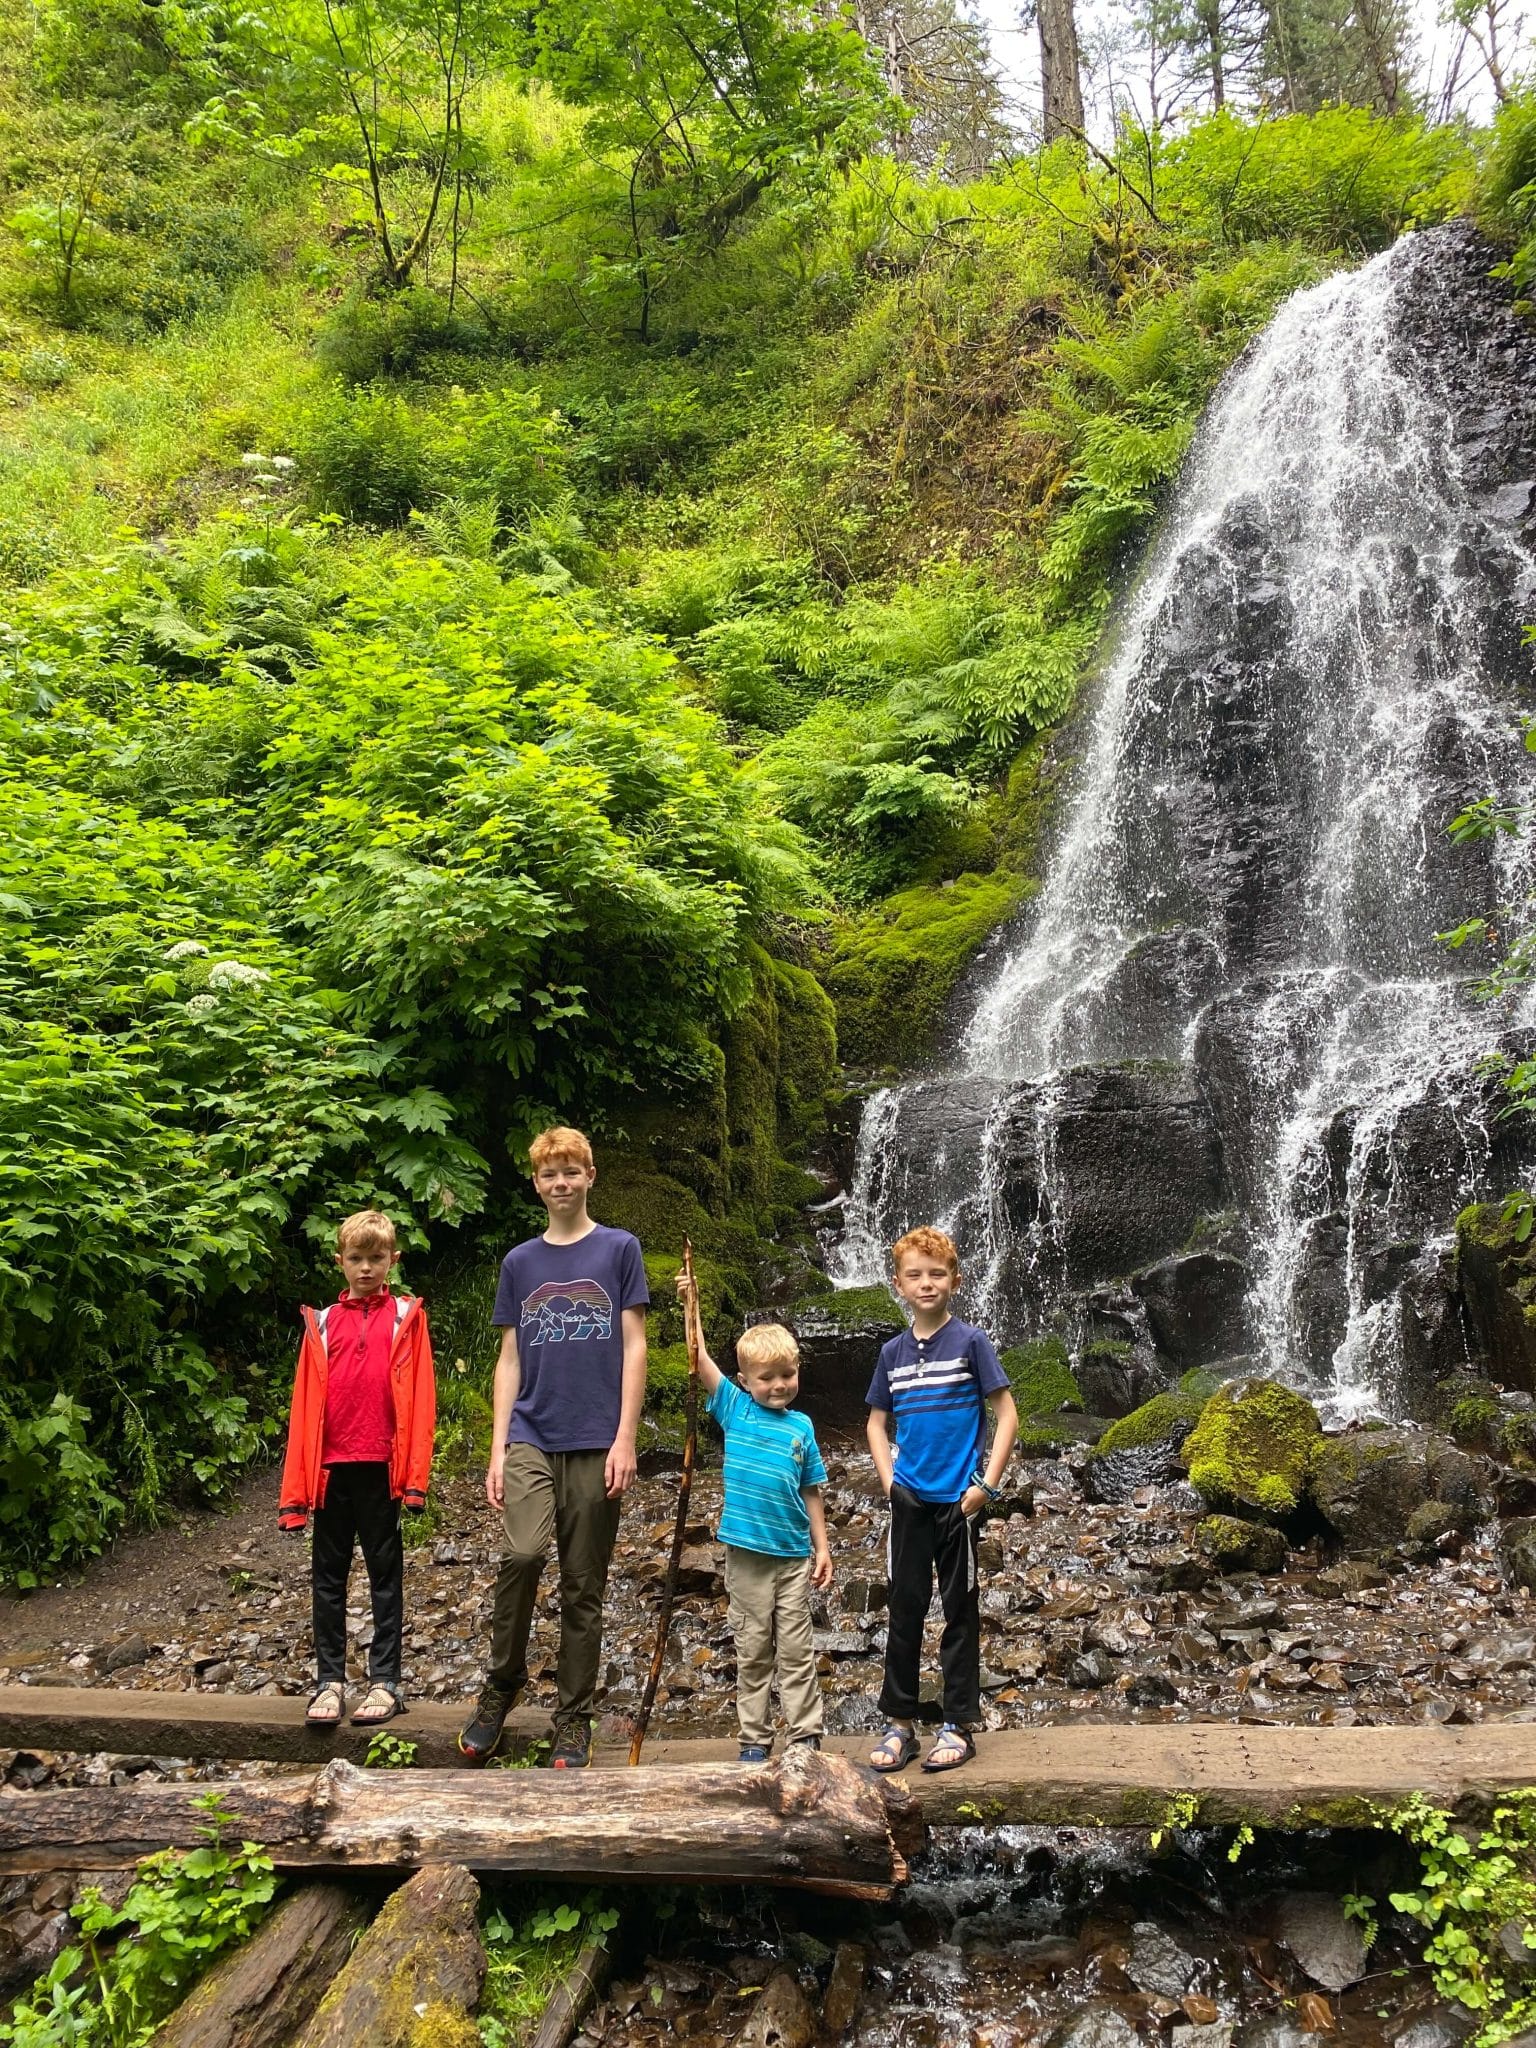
x: 1114, y: 1476
x: 1136, y: 1163
x: 1196, y: 1306
x: 1144, y: 1005
x: 1368, y: 1484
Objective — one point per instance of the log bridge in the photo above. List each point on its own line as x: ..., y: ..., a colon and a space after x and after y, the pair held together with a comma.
x: 690, y: 1813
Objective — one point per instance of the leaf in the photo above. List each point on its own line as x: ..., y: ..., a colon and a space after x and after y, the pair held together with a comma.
x: 1315, y: 2013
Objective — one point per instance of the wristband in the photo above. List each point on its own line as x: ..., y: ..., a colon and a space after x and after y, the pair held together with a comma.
x: 992, y: 1492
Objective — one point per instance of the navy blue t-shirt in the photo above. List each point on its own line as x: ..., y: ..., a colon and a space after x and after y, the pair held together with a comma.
x: 566, y: 1302
x: 936, y: 1387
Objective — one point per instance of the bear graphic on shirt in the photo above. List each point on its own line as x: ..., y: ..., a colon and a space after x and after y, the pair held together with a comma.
x: 562, y: 1312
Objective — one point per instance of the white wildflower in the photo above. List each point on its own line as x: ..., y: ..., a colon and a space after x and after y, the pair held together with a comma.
x: 185, y: 949
x: 282, y: 462
x: 251, y: 460
x: 199, y: 1006
x: 235, y: 974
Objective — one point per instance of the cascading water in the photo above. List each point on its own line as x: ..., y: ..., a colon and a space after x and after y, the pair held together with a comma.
x: 1230, y: 996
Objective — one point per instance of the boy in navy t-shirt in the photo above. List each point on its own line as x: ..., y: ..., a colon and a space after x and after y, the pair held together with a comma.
x: 774, y: 1528
x: 935, y: 1382
x: 566, y: 1401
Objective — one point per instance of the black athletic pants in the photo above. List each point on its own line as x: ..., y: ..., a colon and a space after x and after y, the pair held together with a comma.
x: 929, y: 1537
x: 358, y: 1511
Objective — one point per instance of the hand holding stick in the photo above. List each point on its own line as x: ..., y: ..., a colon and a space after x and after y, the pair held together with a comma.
x: 695, y: 1340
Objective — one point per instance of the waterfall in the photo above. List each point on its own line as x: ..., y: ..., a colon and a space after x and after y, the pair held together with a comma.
x: 1233, y: 952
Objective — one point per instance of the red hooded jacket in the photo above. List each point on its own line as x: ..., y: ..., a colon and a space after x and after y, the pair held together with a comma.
x: 415, y: 1397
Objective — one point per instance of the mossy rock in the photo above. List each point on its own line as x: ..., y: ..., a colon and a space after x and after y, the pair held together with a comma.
x: 1198, y: 1381
x: 1041, y: 1377
x: 1496, y: 1273
x: 1233, y: 1545
x: 808, y: 1063
x: 851, y: 1308
x: 890, y: 973
x: 1250, y: 1451
x: 1035, y: 782
x: 1469, y: 1411
x: 750, y: 1043
x: 1165, y: 1419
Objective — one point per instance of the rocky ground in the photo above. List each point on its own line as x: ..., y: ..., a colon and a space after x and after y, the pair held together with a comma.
x: 1106, y: 1611
x: 1103, y: 1610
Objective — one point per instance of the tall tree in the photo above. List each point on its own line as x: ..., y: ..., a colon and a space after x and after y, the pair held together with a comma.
x: 1319, y: 52
x: 1061, y: 79
x: 936, y: 60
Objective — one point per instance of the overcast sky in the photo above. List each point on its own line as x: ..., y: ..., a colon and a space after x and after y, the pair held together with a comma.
x: 1018, y: 52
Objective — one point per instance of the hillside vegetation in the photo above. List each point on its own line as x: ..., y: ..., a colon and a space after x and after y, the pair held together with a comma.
x: 511, y: 613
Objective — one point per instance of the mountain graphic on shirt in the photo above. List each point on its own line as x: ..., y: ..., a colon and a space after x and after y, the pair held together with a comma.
x: 567, y: 1311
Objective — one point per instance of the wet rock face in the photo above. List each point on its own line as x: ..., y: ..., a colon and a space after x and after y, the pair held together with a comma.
x: 1136, y: 1166
x: 1197, y: 1306
x: 1497, y: 1276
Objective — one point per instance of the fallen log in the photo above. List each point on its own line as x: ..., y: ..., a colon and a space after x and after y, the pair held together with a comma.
x: 808, y: 1819
x: 261, y: 1995
x: 572, y: 1998
x: 415, y: 1976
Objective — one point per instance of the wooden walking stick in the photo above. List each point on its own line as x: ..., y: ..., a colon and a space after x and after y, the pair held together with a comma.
x: 695, y: 1338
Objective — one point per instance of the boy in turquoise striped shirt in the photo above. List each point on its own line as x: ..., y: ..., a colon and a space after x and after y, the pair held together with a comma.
x: 774, y: 1528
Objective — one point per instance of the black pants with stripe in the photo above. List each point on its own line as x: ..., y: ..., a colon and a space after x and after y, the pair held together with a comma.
x: 358, y: 1514
x: 929, y: 1538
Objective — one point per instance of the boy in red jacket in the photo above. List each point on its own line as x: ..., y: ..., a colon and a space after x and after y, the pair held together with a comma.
x: 360, y: 1444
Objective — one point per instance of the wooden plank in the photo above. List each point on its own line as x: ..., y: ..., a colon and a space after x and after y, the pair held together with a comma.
x: 807, y: 1819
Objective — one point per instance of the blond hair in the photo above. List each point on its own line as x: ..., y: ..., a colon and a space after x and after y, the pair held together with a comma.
x: 368, y: 1230
x: 563, y: 1144
x: 928, y: 1243
x: 765, y: 1344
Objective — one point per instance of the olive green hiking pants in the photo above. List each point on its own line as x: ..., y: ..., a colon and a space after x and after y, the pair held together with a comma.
x: 559, y: 1494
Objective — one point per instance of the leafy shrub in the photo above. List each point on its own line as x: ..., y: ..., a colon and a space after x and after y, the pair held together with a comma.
x: 1505, y: 194
x: 369, y: 338
x: 135, y: 1962
x: 369, y: 456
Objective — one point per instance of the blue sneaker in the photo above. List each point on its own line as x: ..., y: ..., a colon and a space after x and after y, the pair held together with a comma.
x: 752, y: 1753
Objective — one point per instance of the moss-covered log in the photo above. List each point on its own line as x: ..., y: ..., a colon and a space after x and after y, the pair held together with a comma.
x: 260, y: 1995
x: 415, y: 1977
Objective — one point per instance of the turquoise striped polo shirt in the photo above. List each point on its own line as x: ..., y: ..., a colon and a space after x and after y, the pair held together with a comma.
x: 770, y: 1453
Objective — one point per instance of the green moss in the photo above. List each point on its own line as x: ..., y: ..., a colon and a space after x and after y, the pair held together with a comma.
x: 1469, y: 1410
x: 853, y: 1308
x: 751, y: 1047
x: 808, y: 1069
x: 1235, y: 1545
x: 1154, y: 1422
x: 1040, y: 1438
x: 1040, y: 1375
x: 442, y: 2026
x: 1034, y: 785
x: 1251, y: 1448
x: 890, y: 973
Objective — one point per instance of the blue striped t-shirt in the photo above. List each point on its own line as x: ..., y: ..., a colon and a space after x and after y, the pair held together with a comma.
x: 770, y: 1453
x: 936, y: 1388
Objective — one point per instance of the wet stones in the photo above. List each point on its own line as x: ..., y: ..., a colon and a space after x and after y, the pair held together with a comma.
x: 1496, y: 1272
x: 1137, y: 1164
x: 1517, y: 1551
x: 1097, y: 2024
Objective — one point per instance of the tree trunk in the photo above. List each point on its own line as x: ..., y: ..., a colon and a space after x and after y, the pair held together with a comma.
x: 808, y: 1819
x: 416, y: 1974
x: 261, y: 1995
x: 1060, y: 69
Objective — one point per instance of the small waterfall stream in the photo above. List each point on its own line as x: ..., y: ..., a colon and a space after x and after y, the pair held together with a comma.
x: 1227, y: 1019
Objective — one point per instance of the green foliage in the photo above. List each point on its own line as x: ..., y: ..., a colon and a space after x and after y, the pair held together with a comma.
x: 1505, y: 198
x: 387, y: 1752
x: 135, y: 1962
x: 1040, y: 1375
x: 531, y: 1943
x: 371, y: 456
x: 1476, y: 1891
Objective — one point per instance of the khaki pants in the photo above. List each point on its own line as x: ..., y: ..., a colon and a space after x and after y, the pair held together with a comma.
x: 559, y: 1494
x: 770, y: 1618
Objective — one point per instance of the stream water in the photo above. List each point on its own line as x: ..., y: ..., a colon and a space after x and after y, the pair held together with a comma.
x: 1313, y: 671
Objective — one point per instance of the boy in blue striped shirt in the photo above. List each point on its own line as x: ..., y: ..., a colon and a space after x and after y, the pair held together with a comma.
x: 774, y: 1528
x: 934, y: 1384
